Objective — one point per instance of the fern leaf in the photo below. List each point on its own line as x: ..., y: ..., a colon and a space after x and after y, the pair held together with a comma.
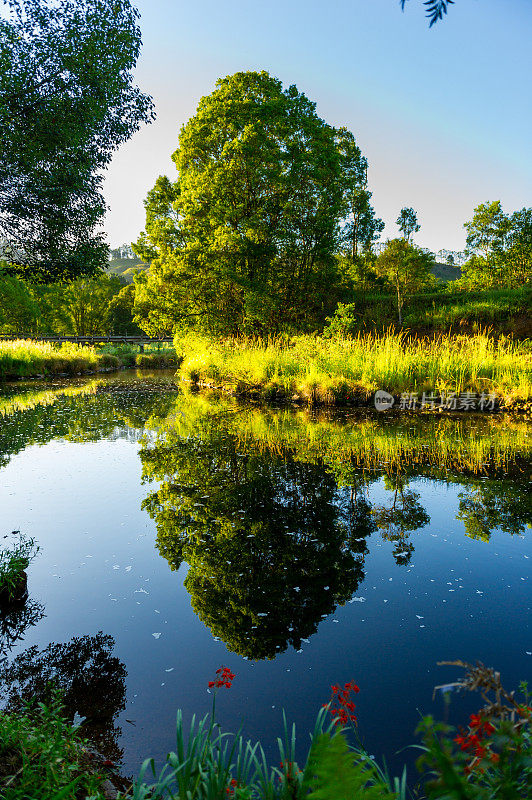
x: 335, y: 772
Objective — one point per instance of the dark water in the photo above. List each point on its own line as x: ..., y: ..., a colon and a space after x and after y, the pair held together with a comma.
x: 298, y: 549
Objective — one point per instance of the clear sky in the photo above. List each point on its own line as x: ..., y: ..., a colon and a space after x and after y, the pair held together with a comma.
x: 444, y: 115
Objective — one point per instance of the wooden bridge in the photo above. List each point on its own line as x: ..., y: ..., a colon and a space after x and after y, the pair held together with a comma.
x: 141, y: 341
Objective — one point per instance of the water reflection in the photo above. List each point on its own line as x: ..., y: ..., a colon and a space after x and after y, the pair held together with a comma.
x: 271, y: 548
x: 90, y: 412
x: 272, y: 508
x: 272, y: 516
x: 15, y: 621
x: 89, y: 678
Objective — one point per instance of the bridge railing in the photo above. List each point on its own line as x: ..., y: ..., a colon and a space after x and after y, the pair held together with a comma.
x: 100, y: 339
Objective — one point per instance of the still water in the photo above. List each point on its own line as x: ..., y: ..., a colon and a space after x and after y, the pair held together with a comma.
x: 182, y: 531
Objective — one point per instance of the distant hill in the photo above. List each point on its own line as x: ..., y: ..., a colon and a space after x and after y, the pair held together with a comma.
x: 126, y: 268
x: 447, y: 272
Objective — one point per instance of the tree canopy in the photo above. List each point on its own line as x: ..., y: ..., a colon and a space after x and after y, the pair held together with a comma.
x: 406, y: 267
x: 499, y: 246
x: 67, y: 101
x: 245, y: 237
x: 407, y: 222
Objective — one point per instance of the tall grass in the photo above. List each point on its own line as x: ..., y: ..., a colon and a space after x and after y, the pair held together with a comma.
x: 340, y: 370
x: 24, y: 358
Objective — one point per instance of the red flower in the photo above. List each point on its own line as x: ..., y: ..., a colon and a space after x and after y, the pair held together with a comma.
x: 225, y: 678
x: 344, y: 714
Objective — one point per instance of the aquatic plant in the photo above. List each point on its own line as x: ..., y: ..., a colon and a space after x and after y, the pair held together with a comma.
x: 491, y: 759
x: 209, y: 764
x: 13, y: 563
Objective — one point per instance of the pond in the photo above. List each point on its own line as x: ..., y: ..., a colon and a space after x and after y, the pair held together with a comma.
x: 181, y: 531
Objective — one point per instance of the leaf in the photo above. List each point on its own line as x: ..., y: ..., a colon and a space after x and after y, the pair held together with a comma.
x: 335, y: 772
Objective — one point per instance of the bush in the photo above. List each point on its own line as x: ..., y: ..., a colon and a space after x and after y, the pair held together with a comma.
x: 14, y: 562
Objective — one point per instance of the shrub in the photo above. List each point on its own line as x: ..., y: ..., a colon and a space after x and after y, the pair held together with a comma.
x: 14, y: 562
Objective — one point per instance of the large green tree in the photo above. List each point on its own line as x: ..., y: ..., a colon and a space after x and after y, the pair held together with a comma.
x: 244, y: 240
x: 67, y: 101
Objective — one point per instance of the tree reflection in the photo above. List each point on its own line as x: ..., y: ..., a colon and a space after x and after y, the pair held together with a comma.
x: 14, y: 622
x: 495, y: 505
x: 398, y: 520
x: 91, y: 682
x: 270, y: 545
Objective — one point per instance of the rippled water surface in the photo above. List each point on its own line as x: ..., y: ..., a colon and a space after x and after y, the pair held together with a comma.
x: 180, y: 532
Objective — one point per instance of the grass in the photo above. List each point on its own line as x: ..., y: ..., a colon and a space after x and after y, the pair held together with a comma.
x: 42, y: 757
x: 447, y: 308
x: 341, y: 370
x: 25, y: 358
x: 14, y: 562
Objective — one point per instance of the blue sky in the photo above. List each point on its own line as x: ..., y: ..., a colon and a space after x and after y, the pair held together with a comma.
x: 444, y: 115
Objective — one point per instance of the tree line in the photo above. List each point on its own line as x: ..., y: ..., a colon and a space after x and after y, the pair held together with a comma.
x: 268, y: 226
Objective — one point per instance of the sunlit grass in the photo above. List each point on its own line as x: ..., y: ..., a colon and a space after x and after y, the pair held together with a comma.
x: 24, y: 358
x: 338, y: 370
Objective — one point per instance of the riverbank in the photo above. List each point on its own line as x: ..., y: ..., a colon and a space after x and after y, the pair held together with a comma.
x: 447, y: 372
x: 28, y: 359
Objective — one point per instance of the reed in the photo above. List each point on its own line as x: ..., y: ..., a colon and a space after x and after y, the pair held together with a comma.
x: 339, y: 371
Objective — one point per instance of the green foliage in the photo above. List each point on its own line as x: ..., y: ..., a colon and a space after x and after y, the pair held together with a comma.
x: 19, y: 310
x: 14, y: 561
x: 26, y: 358
x: 244, y: 240
x: 67, y: 101
x: 492, y: 758
x: 41, y: 757
x: 102, y: 304
x: 81, y: 307
x: 499, y: 246
x: 407, y: 222
x: 209, y: 764
x: 332, y: 773
x: 120, y: 312
x: 435, y: 9
x: 339, y: 371
x: 405, y: 267
x: 86, y: 675
x: 442, y: 309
